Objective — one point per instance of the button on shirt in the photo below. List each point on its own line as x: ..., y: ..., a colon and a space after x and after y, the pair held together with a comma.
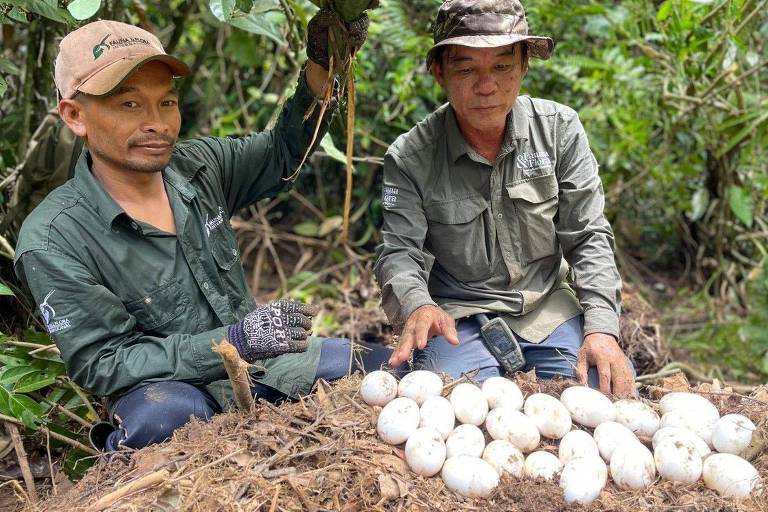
x: 128, y: 304
x: 477, y: 236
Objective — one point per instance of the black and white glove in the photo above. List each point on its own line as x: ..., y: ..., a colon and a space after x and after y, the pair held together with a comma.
x: 355, y: 33
x: 273, y: 329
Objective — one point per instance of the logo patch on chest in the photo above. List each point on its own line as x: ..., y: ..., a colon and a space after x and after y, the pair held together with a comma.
x: 529, y: 162
x: 213, y: 222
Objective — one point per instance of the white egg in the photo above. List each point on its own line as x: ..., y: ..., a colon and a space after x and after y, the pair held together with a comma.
x: 420, y: 385
x: 548, y: 414
x: 575, y: 444
x: 513, y: 426
x: 582, y: 479
x: 611, y: 434
x: 465, y: 439
x: 677, y: 461
x: 504, y: 457
x: 638, y: 417
x: 398, y: 420
x: 469, y: 404
x: 378, y: 388
x: 588, y: 406
x: 471, y: 477
x: 437, y: 412
x: 692, y: 420
x: 633, y: 466
x: 684, y: 435
x: 732, y: 433
x: 730, y: 475
x: 542, y: 465
x: 425, y: 452
x: 688, y: 401
x: 502, y: 392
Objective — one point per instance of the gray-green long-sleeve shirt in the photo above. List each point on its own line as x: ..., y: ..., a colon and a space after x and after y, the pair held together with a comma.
x: 477, y: 236
x: 128, y: 304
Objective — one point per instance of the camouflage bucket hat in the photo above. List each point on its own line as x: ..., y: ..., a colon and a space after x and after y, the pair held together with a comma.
x: 485, y: 24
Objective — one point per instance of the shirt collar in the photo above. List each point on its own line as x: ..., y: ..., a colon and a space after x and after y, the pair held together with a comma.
x: 517, y: 128
x: 106, y: 207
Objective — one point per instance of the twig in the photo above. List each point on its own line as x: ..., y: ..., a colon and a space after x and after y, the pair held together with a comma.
x: 237, y: 369
x: 273, y: 505
x: 64, y: 410
x: 304, y: 500
x: 50, y: 462
x: 46, y: 348
x: 213, y: 463
x: 350, y: 150
x: 86, y: 401
x: 55, y: 435
x: 137, y: 485
x: 21, y: 455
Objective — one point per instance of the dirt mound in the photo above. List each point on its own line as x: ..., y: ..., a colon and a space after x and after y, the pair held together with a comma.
x: 322, y: 453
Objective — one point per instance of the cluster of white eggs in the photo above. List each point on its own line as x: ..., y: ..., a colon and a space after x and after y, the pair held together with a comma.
x: 416, y: 413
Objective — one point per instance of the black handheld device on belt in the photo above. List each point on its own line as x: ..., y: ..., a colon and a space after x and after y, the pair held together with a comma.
x: 501, y: 342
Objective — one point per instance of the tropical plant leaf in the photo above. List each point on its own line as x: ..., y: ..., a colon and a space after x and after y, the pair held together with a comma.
x: 306, y: 229
x: 45, y: 9
x: 741, y: 204
x: 4, y: 289
x: 258, y: 21
x: 34, y: 381
x: 331, y: 150
x: 3, y: 86
x: 83, y: 9
x: 11, y: 374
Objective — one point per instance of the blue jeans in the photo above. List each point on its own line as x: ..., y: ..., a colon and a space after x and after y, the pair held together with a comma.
x: 150, y: 413
x: 556, y: 355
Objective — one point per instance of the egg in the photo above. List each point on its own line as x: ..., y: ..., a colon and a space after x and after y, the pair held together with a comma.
x: 677, y: 461
x: 638, y: 417
x: 437, y: 412
x: 465, y: 439
x: 548, y: 414
x: 688, y: 401
x: 505, y: 458
x: 575, y: 444
x: 420, y: 385
x: 378, y: 388
x: 513, y: 426
x: 611, y: 434
x: 692, y: 420
x: 582, y: 479
x: 502, y: 392
x: 730, y: 475
x: 684, y: 435
x: 471, y: 477
x: 588, y: 406
x: 398, y: 420
x: 732, y: 433
x: 542, y: 464
x: 425, y: 452
x: 469, y: 404
x: 633, y: 466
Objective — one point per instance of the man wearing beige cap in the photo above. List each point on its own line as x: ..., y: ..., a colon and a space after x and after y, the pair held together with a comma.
x: 133, y: 263
x: 493, y: 216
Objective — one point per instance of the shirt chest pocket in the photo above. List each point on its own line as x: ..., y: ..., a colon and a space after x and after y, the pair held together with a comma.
x: 535, y: 204
x: 161, y: 309
x: 459, y: 238
x: 224, y: 250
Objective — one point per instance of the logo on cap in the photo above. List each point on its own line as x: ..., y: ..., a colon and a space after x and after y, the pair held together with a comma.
x: 99, y: 48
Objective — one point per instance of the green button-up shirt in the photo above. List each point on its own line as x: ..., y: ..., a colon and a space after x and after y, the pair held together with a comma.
x: 477, y: 236
x: 128, y: 304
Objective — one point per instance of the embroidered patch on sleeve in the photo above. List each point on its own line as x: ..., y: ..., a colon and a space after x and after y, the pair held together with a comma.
x: 389, y: 196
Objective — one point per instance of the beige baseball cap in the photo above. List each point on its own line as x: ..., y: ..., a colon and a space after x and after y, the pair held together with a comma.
x: 97, y: 57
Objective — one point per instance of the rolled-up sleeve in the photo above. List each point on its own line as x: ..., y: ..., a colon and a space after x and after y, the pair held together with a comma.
x: 583, y: 231
x: 402, y: 266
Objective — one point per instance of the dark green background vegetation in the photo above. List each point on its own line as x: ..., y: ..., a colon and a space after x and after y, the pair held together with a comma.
x: 671, y: 93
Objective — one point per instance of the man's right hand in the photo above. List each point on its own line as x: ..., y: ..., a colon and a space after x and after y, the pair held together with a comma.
x: 424, y: 323
x: 273, y: 329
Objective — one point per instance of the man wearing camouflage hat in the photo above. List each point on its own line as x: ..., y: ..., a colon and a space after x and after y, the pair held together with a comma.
x: 133, y: 262
x: 493, y: 216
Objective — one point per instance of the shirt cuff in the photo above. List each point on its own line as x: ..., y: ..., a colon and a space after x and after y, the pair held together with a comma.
x: 601, y: 320
x: 208, y: 363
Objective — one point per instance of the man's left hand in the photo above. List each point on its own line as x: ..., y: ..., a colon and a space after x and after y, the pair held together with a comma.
x: 603, y: 351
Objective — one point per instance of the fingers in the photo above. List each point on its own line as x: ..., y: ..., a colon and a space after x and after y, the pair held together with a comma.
x: 299, y: 320
x: 622, y: 381
x: 582, y: 366
x: 448, y: 330
x: 298, y: 345
x: 604, y: 373
x: 302, y: 308
x: 297, y: 333
x: 403, y: 351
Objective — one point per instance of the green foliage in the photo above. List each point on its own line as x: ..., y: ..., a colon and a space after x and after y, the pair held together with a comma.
x: 83, y: 9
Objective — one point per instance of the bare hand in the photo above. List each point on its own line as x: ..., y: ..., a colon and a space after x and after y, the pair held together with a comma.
x: 424, y: 323
x: 603, y: 351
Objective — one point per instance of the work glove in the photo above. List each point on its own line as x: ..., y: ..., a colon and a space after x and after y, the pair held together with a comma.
x: 317, y: 34
x: 273, y: 329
